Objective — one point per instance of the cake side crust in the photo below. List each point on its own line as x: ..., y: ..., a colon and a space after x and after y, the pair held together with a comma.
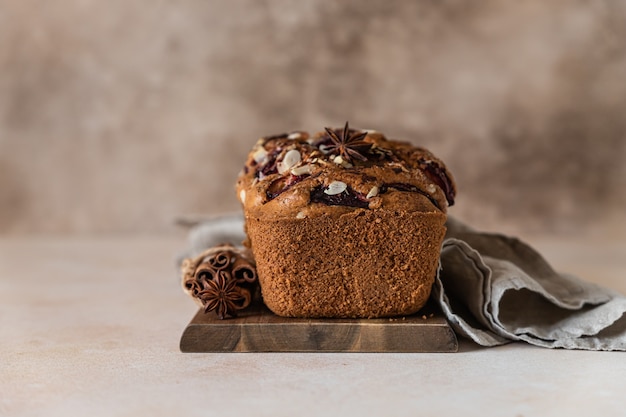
x: 363, y: 263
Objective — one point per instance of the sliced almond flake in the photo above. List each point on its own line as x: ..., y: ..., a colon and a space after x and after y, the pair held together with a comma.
x: 336, y: 187
x: 373, y: 192
x: 302, y: 170
x: 399, y: 165
x: 260, y: 156
x: 242, y: 195
x: 291, y: 158
x: 340, y: 161
x: 300, y: 215
x: 294, y: 135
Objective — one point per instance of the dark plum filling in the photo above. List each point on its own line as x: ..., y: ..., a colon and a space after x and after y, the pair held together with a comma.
x: 437, y: 175
x: 271, y: 166
x: 349, y: 197
x: 281, y: 185
x: 352, y: 198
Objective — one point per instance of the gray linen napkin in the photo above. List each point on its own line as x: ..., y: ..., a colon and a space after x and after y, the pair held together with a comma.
x: 496, y: 289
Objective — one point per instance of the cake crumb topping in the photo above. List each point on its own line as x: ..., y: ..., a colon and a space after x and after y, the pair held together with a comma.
x: 343, y: 167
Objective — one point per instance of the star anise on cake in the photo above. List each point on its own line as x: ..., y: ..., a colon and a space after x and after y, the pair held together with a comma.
x: 223, y: 295
x: 349, y: 146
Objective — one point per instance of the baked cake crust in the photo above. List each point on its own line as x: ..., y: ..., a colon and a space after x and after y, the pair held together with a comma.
x: 344, y: 232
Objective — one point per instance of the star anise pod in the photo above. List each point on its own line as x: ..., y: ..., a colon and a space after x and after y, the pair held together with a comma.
x: 349, y: 146
x: 224, y: 296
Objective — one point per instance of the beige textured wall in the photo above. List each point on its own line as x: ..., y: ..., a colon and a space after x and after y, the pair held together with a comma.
x: 118, y: 116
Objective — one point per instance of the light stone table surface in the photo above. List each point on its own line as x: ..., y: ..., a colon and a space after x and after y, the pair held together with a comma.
x: 91, y: 326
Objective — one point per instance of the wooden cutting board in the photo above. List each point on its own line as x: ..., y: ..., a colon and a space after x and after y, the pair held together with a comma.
x: 259, y: 330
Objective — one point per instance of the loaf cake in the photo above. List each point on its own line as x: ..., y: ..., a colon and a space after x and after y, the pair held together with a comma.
x: 344, y: 223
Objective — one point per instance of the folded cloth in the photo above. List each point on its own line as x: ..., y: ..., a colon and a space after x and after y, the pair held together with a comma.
x: 209, y: 232
x: 496, y: 289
